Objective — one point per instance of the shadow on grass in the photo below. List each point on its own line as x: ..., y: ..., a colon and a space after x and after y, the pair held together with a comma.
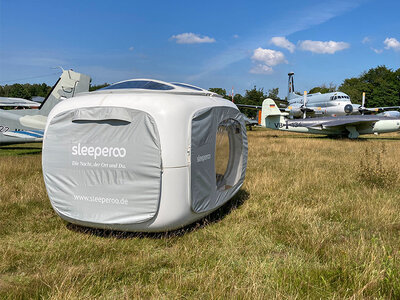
x: 363, y: 138
x: 212, y: 218
x: 332, y: 137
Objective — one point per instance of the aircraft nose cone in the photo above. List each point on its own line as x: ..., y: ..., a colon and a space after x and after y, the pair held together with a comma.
x: 348, y: 109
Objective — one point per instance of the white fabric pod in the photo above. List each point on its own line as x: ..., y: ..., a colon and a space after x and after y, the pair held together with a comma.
x: 140, y: 159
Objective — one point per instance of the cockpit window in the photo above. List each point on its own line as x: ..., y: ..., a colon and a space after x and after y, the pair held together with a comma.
x: 187, y: 86
x: 139, y: 84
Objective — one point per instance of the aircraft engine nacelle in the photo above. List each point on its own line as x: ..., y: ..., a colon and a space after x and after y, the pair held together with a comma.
x: 348, y: 108
x: 294, y: 110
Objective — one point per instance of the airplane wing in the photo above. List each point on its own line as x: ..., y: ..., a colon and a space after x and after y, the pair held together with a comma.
x: 347, y: 121
x: 249, y: 106
x: 257, y: 107
x: 17, y: 102
x: 249, y: 121
x: 377, y: 109
x: 34, y: 135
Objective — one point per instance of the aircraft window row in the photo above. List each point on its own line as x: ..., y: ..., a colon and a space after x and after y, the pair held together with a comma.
x: 139, y: 84
x: 339, y: 97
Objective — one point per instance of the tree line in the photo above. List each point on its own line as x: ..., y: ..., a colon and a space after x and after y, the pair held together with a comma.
x: 381, y: 85
x: 25, y: 91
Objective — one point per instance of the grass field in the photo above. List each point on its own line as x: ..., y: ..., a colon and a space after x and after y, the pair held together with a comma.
x: 316, y: 218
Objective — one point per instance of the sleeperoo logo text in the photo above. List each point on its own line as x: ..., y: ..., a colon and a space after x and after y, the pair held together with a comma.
x: 202, y: 158
x: 95, y: 151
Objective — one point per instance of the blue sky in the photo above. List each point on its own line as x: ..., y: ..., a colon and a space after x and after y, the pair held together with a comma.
x: 205, y: 43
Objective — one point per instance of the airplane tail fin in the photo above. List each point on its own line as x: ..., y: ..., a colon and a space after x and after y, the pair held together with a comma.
x: 270, y: 114
x: 291, y: 93
x: 68, y: 85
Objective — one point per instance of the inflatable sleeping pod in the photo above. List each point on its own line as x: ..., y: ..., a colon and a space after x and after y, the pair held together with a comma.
x: 143, y: 155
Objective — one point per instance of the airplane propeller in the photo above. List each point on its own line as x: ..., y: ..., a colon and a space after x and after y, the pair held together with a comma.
x: 304, y: 107
x: 362, y: 107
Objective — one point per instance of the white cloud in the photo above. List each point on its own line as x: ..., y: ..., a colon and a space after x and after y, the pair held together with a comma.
x: 192, y: 38
x: 269, y: 57
x: 235, y: 36
x: 282, y: 42
x: 366, y: 40
x: 377, y: 51
x: 392, y: 43
x: 265, y: 59
x: 131, y: 48
x: 323, y: 47
x: 261, y: 69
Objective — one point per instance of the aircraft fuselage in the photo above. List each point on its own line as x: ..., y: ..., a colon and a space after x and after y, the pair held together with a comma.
x: 316, y: 125
x: 330, y: 104
x: 10, y: 120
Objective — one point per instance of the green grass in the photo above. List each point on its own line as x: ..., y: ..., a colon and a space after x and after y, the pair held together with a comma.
x: 309, y: 222
x: 21, y: 149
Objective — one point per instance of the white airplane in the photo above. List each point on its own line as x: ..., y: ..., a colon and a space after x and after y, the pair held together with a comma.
x: 351, y: 126
x: 329, y: 104
x: 10, y: 102
x: 318, y: 105
x: 27, y: 125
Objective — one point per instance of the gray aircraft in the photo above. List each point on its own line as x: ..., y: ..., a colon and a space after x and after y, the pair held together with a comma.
x: 351, y: 126
x: 329, y: 104
x: 27, y: 125
x: 319, y: 105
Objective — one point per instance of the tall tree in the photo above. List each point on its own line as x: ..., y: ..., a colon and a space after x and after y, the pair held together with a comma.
x: 252, y: 97
x: 323, y: 89
x: 381, y: 85
x: 219, y: 91
x: 18, y: 91
x: 97, y: 87
x: 273, y: 94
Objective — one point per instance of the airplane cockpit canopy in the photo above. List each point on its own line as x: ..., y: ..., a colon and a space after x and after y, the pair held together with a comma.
x: 139, y: 84
x: 155, y: 85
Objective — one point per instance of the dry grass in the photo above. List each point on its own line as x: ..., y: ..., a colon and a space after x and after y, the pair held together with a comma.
x: 310, y: 222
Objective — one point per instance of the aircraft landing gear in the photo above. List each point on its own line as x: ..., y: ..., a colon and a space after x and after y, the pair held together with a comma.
x: 353, y: 133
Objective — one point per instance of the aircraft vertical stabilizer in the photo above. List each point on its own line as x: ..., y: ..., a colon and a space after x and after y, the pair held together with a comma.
x: 291, y: 93
x: 68, y: 85
x: 270, y: 113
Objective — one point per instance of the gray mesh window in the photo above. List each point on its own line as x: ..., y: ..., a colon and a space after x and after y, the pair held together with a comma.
x: 228, y: 132
x: 139, y: 84
x: 221, y: 155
